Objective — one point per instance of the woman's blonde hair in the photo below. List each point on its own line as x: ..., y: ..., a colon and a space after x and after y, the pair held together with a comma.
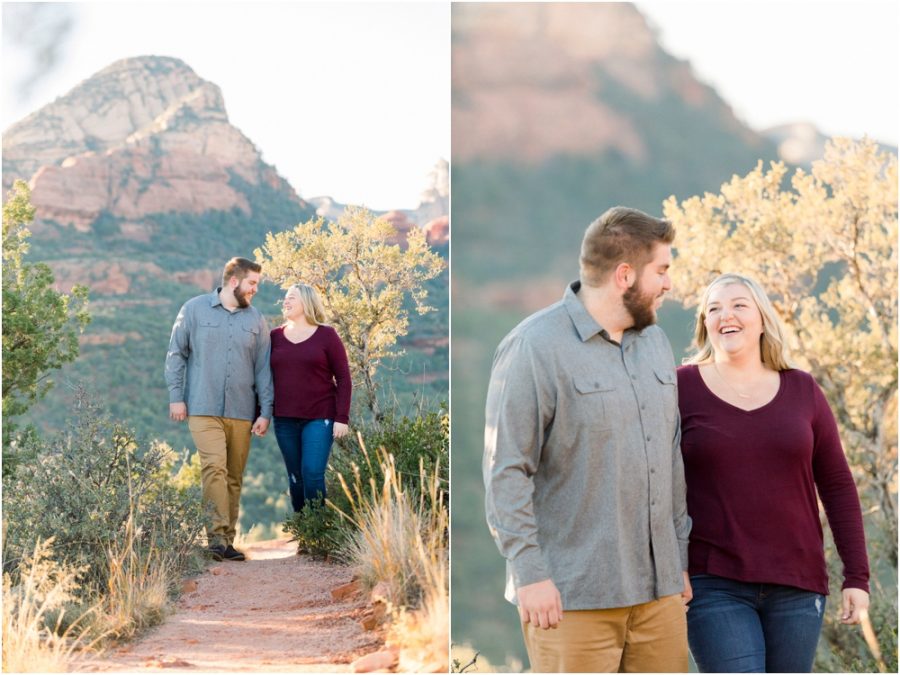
x: 312, y: 304
x: 772, y: 343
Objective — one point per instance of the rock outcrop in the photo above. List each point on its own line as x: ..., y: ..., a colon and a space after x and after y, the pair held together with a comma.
x: 145, y: 135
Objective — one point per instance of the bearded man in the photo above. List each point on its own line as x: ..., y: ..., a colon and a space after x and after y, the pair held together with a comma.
x: 582, y: 464
x: 217, y: 370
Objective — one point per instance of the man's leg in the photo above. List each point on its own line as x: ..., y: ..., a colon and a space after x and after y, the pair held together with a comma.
x: 238, y: 440
x: 656, y: 638
x: 209, y: 437
x: 587, y: 641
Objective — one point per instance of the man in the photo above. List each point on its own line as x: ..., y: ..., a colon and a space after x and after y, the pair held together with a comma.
x: 217, y: 368
x: 585, y: 483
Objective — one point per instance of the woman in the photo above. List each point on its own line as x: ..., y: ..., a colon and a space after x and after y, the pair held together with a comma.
x: 312, y: 392
x: 758, y: 441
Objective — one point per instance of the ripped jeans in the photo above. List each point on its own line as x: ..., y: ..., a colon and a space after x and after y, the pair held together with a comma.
x: 305, y: 446
x: 740, y: 627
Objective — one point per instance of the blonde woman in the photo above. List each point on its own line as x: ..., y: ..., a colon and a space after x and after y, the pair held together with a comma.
x: 759, y: 441
x: 312, y: 392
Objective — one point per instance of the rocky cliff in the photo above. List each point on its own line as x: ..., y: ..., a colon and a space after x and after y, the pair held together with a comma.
x: 145, y: 135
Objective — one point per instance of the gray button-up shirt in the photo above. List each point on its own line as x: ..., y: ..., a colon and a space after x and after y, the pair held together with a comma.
x: 218, y: 361
x: 582, y: 462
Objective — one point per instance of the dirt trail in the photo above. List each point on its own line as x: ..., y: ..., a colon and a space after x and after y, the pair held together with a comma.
x: 273, y: 612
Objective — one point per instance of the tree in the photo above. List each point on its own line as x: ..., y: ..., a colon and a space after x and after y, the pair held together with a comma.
x: 363, y: 279
x: 824, y: 246
x: 40, y: 325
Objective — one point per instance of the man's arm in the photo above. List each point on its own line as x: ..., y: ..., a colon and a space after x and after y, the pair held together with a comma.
x: 520, y: 405
x: 265, y: 389
x: 176, y: 363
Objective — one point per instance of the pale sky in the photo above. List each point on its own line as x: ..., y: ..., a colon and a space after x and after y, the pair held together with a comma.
x: 350, y: 100
x: 835, y: 64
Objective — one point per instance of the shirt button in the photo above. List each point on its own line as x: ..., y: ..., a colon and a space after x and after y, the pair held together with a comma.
x: 648, y: 438
x: 652, y: 470
x: 643, y: 406
x: 634, y: 377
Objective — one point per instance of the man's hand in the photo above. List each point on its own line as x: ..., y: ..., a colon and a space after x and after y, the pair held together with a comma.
x: 340, y: 429
x: 540, y: 604
x: 260, y: 426
x: 855, y: 605
x: 178, y: 411
x: 688, y: 593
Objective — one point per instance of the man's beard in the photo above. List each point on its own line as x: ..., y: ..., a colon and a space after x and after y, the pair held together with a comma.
x: 640, y: 307
x: 242, y: 300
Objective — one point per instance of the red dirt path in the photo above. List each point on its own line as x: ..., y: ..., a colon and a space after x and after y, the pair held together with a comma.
x: 273, y: 612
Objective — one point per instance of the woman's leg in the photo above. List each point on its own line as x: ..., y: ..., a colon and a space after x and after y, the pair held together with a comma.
x: 287, y: 433
x: 316, y: 444
x: 791, y: 621
x: 724, y: 629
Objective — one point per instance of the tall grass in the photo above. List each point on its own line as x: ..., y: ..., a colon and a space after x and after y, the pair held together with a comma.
x: 401, y: 541
x: 32, y: 640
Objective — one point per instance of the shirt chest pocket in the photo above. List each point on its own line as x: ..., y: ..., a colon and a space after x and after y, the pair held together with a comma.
x: 248, y: 336
x: 665, y: 381
x: 208, y: 332
x: 594, y: 400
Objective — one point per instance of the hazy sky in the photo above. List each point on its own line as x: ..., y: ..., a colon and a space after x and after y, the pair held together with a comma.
x: 350, y: 100
x: 836, y: 64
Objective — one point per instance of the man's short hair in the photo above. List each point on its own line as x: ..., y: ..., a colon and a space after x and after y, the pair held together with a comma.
x: 621, y: 235
x: 239, y: 267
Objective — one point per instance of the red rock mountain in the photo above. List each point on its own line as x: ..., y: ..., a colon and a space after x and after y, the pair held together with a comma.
x: 145, y: 135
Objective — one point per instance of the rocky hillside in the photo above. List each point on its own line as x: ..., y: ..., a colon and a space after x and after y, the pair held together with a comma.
x: 563, y: 109
x: 143, y: 189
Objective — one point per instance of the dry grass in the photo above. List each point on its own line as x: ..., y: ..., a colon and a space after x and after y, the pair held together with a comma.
x: 138, y: 586
x: 402, y: 541
x: 32, y: 641
x: 401, y: 538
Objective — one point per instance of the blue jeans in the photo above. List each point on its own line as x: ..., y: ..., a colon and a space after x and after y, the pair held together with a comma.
x: 305, y: 446
x: 739, y: 627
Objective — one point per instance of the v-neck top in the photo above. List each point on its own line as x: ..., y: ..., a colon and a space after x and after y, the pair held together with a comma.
x: 311, y: 377
x: 752, y: 477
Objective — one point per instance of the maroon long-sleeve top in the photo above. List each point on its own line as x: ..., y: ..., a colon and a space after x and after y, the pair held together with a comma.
x: 312, y: 378
x: 752, y: 478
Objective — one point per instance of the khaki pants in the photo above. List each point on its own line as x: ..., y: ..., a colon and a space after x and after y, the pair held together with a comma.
x: 223, y: 444
x: 646, y: 638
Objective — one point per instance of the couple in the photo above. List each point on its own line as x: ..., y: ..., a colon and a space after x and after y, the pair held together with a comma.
x: 227, y: 375
x: 623, y: 492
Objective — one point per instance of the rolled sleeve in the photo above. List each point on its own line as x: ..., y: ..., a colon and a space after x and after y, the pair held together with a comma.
x: 518, y: 410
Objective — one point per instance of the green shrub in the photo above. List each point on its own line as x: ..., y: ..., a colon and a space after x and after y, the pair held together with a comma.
x: 94, y: 488
x: 419, y: 441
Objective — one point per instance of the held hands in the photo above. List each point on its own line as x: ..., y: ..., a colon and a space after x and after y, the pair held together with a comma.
x: 178, y: 411
x: 540, y: 604
x: 854, y: 605
x: 260, y: 426
x: 340, y: 429
x: 688, y: 593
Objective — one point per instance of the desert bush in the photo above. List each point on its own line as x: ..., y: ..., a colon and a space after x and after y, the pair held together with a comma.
x: 421, y: 440
x: 113, y: 510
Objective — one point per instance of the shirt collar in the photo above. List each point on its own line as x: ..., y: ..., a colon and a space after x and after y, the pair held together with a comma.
x: 585, y: 324
x: 214, y: 299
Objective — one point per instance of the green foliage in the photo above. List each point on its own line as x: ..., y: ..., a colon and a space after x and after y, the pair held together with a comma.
x: 318, y: 529
x: 421, y: 441
x: 94, y: 488
x: 40, y: 325
x: 363, y: 279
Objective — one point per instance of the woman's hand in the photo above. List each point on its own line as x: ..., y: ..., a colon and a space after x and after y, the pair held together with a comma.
x: 855, y: 603
x: 340, y: 429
